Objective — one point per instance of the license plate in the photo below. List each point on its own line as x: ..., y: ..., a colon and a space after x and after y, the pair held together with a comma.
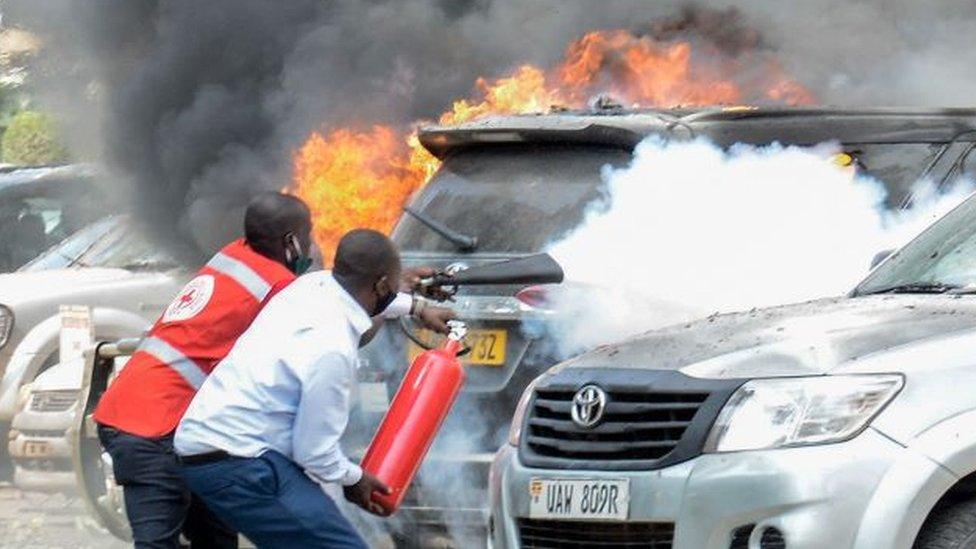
x: 579, y: 499
x: 36, y: 449
x: 487, y: 346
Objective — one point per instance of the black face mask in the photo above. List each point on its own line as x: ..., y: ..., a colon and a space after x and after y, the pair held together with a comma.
x: 383, y: 302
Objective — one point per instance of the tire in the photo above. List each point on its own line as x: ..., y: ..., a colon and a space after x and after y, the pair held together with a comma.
x: 6, y: 462
x: 952, y: 526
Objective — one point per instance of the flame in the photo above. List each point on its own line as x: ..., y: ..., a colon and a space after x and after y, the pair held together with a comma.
x: 356, y: 179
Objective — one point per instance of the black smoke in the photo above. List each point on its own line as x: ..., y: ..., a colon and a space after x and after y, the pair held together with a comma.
x: 199, y: 104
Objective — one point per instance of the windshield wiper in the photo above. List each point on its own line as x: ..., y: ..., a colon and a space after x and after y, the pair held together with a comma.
x: 918, y: 288
x: 461, y: 241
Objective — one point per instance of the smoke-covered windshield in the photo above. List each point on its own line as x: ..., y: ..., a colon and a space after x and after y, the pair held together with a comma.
x: 942, y: 257
x: 110, y: 243
x: 512, y: 199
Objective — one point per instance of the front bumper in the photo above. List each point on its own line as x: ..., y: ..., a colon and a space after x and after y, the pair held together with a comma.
x: 817, y: 496
x: 41, y: 450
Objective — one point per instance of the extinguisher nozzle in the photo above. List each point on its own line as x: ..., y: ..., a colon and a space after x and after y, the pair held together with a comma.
x: 459, y: 330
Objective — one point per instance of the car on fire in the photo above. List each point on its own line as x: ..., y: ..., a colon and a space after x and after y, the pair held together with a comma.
x: 840, y: 422
x: 506, y: 188
x: 108, y: 266
x: 509, y: 186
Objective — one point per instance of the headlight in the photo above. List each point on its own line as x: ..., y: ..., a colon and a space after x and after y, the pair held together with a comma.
x: 6, y: 325
x: 773, y: 413
x: 515, y: 430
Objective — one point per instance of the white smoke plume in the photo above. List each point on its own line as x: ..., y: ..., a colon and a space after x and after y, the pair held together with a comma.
x: 688, y: 230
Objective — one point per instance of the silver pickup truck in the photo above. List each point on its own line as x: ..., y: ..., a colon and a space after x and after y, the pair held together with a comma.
x: 842, y: 422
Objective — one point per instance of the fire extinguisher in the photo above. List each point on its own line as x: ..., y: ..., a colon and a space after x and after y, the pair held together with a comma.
x: 421, y: 403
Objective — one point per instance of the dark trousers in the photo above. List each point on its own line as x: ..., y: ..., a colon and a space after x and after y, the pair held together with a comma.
x: 272, y: 502
x: 157, y: 501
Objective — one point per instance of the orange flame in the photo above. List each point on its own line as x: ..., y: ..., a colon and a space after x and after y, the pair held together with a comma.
x: 362, y: 179
x: 354, y: 179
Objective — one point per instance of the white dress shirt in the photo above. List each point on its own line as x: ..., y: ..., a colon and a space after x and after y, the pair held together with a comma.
x: 286, y: 385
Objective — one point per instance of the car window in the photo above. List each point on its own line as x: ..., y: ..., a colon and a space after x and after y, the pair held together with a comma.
x: 511, y: 199
x: 898, y: 165
x: 30, y: 226
x: 111, y: 243
x: 67, y: 252
x: 126, y: 248
x: 944, y: 254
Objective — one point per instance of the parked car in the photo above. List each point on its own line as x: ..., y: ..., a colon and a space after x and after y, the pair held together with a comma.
x: 40, y: 206
x: 108, y: 266
x: 841, y: 422
x: 517, y: 184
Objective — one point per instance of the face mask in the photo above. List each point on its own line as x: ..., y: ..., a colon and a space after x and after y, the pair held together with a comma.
x: 295, y: 259
x: 383, y: 302
x: 300, y: 264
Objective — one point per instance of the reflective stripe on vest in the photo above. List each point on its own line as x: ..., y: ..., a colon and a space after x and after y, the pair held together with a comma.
x: 242, y: 274
x: 167, y: 354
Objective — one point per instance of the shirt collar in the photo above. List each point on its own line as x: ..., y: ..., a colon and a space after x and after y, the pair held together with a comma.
x: 357, y: 316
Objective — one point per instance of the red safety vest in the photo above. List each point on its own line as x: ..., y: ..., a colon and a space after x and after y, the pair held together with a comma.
x: 193, y: 334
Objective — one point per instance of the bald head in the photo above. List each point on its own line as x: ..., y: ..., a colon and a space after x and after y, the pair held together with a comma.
x: 270, y: 217
x: 364, y: 256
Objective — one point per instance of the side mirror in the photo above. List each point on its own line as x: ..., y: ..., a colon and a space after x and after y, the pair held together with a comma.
x: 880, y: 256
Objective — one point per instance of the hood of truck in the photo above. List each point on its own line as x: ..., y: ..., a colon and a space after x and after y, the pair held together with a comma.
x: 802, y: 339
x: 21, y: 287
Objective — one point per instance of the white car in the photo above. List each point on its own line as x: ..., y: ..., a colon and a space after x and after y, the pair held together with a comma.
x: 109, y: 267
x: 847, y: 422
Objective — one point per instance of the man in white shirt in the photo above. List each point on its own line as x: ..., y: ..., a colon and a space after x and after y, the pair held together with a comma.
x: 269, y: 419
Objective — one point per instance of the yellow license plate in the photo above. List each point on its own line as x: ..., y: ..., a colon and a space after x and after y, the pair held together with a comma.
x: 487, y: 346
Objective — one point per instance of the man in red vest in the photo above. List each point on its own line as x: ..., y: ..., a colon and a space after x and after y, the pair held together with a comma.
x: 139, y: 412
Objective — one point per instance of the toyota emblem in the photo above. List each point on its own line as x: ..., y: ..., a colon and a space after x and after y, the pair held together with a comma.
x: 588, y: 405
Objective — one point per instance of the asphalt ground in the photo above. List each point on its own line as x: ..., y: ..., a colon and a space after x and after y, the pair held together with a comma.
x: 34, y: 520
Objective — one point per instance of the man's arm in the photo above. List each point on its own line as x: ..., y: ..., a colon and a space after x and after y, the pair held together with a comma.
x: 432, y: 317
x: 321, y: 418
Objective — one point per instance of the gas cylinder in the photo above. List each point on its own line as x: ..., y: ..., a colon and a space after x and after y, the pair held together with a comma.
x: 421, y: 403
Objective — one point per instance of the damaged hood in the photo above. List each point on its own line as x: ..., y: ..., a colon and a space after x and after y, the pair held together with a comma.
x: 25, y: 286
x: 801, y: 339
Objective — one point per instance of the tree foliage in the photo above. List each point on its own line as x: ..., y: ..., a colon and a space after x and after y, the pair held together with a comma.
x: 32, y: 138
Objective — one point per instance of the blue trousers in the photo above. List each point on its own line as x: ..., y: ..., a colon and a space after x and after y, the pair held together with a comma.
x: 272, y: 502
x: 157, y: 501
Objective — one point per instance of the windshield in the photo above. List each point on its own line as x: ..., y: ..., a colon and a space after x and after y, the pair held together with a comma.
x: 111, y: 243
x: 943, y: 256
x: 512, y: 199
x: 63, y: 254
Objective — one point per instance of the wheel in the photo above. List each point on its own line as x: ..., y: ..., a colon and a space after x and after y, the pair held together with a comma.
x: 6, y: 462
x: 952, y: 526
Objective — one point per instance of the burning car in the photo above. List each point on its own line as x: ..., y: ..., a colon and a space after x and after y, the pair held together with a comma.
x: 509, y: 186
x: 841, y: 422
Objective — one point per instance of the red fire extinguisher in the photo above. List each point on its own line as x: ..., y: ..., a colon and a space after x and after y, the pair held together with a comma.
x: 422, y: 402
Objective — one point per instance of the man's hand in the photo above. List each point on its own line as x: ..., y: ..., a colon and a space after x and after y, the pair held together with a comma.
x: 435, y: 318
x: 411, y: 277
x: 361, y: 493
x: 410, y: 283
